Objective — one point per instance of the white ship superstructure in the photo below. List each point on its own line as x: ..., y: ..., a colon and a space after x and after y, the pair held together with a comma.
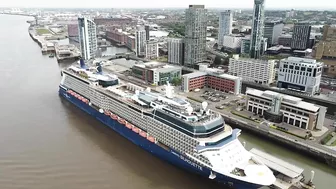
x: 194, y: 133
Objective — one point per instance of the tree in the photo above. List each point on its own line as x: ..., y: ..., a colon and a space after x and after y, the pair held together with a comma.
x: 176, y: 81
x: 218, y: 60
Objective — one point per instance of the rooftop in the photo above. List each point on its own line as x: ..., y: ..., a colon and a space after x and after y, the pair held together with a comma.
x: 285, y: 99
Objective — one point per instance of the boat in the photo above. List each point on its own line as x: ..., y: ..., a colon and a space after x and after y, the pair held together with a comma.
x: 51, y: 56
x: 188, y: 135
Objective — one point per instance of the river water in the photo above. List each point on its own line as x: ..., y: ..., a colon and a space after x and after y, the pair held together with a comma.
x: 46, y: 143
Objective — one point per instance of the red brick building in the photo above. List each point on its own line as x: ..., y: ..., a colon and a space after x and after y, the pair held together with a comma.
x: 220, y: 82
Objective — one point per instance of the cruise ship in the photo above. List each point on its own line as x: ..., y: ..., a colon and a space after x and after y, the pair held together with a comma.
x: 185, y: 134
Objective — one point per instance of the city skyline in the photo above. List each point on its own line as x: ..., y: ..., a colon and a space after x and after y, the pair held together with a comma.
x: 241, y: 4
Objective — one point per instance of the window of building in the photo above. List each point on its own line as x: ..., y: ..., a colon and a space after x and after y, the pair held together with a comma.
x: 303, y: 125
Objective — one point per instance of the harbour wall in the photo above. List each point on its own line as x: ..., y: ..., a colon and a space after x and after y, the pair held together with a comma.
x: 314, y: 152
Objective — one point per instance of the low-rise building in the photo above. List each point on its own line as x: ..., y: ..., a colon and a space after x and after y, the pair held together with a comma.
x: 209, y: 78
x: 156, y: 73
x: 301, y: 74
x: 252, y: 70
x: 278, y: 107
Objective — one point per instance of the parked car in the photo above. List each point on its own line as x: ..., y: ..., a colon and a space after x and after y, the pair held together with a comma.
x: 220, y: 107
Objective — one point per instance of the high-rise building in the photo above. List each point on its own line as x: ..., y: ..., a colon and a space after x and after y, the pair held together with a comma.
x: 326, y: 48
x: 175, y: 51
x: 195, y: 35
x: 300, y: 74
x: 273, y: 31
x: 87, y: 36
x: 140, y: 41
x: 225, y: 26
x: 257, y: 29
x: 246, y: 45
x: 301, y: 36
x: 147, y: 32
x: 152, y: 49
x: 252, y: 70
x: 329, y: 33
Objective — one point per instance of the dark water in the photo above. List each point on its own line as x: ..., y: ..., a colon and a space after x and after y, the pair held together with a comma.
x: 46, y: 143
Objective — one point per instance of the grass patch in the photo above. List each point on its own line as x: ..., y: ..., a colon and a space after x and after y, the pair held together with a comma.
x: 326, y: 139
x: 244, y: 116
x: 41, y: 31
x: 194, y: 99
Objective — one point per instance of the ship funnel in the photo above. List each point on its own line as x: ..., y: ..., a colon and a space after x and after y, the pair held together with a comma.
x: 82, y: 63
x: 99, y: 68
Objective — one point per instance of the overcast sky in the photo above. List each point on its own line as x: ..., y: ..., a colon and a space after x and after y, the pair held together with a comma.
x: 313, y: 4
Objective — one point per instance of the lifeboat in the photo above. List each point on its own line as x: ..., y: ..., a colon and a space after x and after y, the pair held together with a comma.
x: 80, y: 98
x: 121, y: 120
x: 107, y: 113
x: 150, y: 138
x: 135, y: 129
x: 83, y: 100
x: 128, y: 125
x: 76, y: 95
x: 115, y: 117
x: 143, y: 134
x: 69, y: 91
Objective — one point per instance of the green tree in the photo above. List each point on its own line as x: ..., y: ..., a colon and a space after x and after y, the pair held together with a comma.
x: 176, y: 81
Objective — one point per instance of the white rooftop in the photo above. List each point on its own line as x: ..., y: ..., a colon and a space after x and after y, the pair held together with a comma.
x: 291, y: 100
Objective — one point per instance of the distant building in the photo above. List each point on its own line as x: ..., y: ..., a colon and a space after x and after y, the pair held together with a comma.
x: 252, y: 70
x: 156, y: 73
x: 272, y: 32
x: 246, y: 45
x: 152, y: 49
x: 326, y: 48
x: 301, y: 36
x: 232, y: 43
x: 278, y: 107
x: 130, y: 42
x: 140, y: 42
x: 175, y: 51
x: 285, y: 40
x: 225, y: 26
x: 147, y: 32
x: 300, y: 74
x: 116, y: 36
x: 257, y: 29
x: 73, y: 30
x: 218, y: 81
x: 195, y: 35
x: 87, y: 38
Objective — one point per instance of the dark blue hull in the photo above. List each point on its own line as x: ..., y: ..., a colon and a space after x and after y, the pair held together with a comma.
x: 171, y: 156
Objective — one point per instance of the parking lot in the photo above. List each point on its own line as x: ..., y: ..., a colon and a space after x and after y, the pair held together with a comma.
x: 218, y: 99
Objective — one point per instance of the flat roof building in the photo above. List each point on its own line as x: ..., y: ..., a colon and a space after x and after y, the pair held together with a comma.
x: 301, y: 74
x: 288, y: 109
x: 156, y: 73
x: 211, y: 79
x: 252, y: 70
